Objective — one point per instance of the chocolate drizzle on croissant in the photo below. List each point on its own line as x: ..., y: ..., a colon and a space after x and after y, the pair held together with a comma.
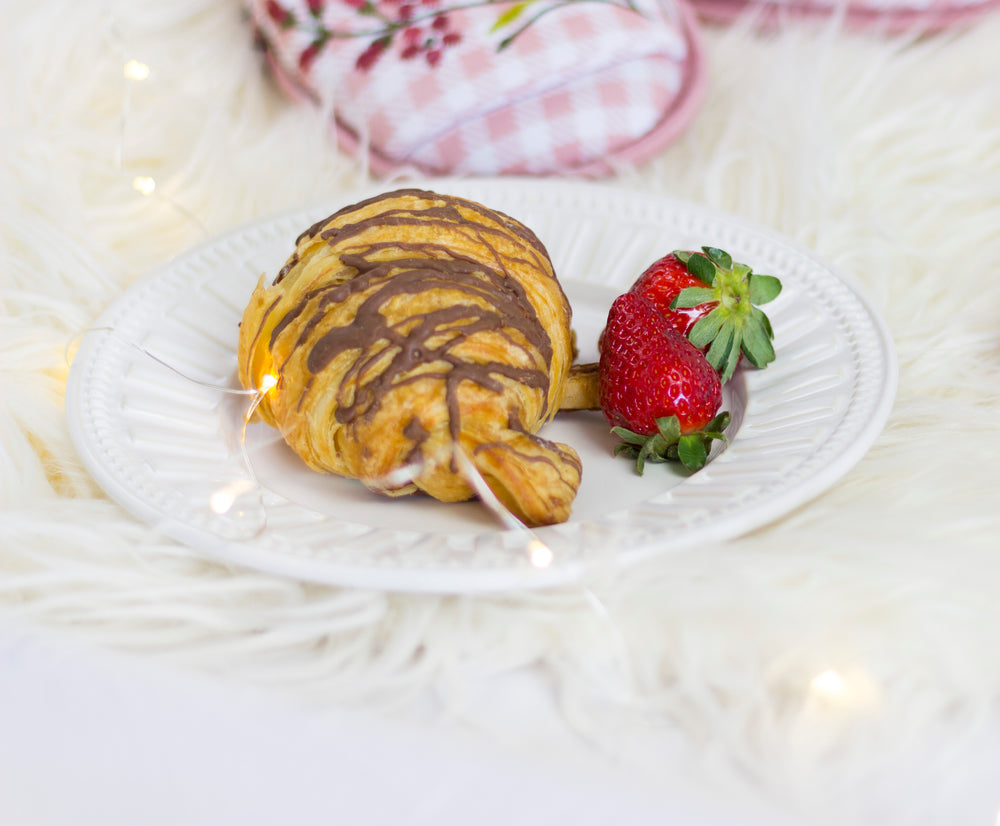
x: 410, y: 323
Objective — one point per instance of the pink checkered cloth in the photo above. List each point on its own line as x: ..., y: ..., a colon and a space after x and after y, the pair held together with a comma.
x: 883, y: 15
x: 449, y: 87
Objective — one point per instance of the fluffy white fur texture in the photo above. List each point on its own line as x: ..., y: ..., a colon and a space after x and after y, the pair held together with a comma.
x: 881, y: 153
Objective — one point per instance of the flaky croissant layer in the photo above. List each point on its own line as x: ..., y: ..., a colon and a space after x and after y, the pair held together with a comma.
x: 409, y: 326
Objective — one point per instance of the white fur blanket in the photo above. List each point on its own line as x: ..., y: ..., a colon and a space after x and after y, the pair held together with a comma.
x: 881, y: 154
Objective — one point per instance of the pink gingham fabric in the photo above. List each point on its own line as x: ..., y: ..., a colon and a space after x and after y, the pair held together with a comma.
x: 536, y: 88
x: 882, y: 15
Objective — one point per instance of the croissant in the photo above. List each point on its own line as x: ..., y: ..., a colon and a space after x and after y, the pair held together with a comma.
x: 410, y: 326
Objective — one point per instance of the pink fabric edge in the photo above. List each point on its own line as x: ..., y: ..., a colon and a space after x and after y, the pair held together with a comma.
x: 674, y: 121
x: 768, y: 14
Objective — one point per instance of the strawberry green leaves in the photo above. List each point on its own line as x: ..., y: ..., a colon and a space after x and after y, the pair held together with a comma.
x: 669, y: 445
x: 704, y: 267
x: 763, y: 288
x: 734, y: 325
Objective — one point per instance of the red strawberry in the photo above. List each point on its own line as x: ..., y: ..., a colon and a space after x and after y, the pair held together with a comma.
x: 713, y: 301
x: 656, y: 389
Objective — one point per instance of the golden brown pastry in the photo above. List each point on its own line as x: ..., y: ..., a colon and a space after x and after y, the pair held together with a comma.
x: 407, y: 324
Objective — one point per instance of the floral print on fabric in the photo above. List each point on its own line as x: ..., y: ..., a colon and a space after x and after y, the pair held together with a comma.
x: 484, y: 87
x: 417, y: 28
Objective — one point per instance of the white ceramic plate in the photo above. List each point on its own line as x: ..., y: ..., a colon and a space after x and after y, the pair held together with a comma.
x: 148, y: 414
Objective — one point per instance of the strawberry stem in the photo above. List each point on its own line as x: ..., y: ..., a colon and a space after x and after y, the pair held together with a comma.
x: 668, y: 444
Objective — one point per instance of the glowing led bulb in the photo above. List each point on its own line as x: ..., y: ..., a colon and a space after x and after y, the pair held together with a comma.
x: 267, y: 383
x: 135, y: 70
x: 222, y: 500
x: 830, y: 684
x: 539, y: 553
x: 847, y: 689
x: 144, y: 184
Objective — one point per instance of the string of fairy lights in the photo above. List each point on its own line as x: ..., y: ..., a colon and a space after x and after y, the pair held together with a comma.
x: 829, y: 688
x: 222, y: 500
